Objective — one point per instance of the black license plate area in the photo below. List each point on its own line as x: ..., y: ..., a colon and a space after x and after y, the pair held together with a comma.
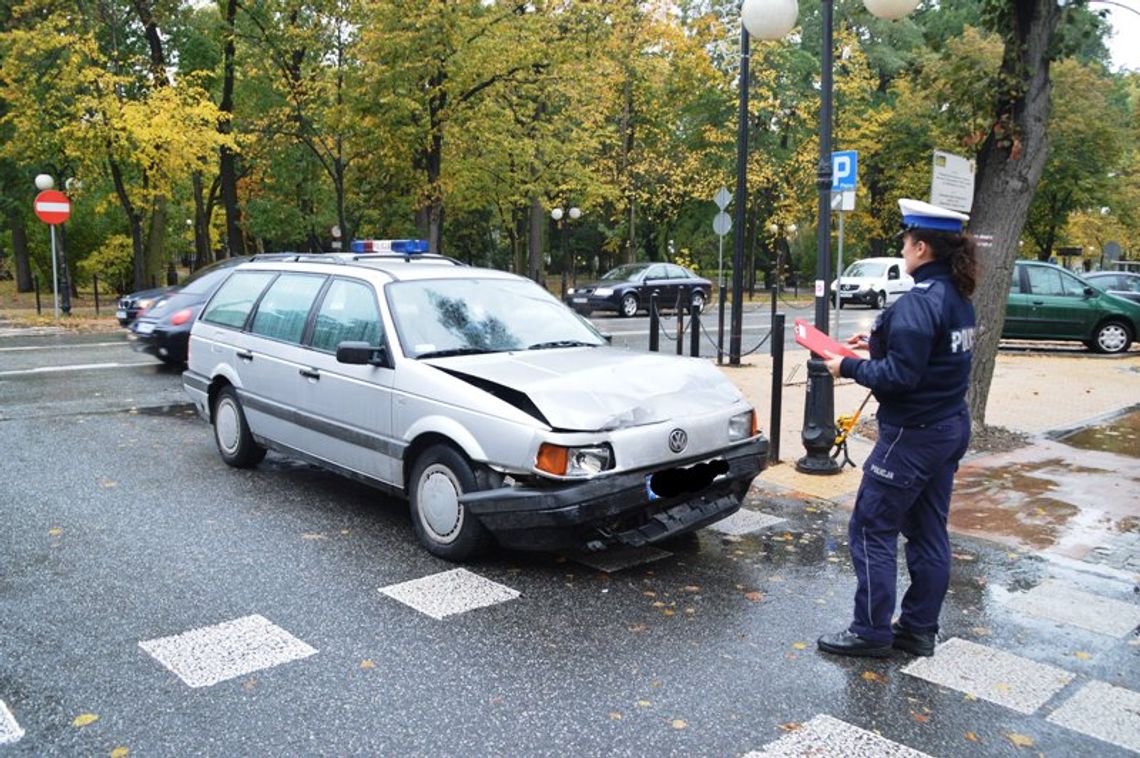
x: 683, y: 480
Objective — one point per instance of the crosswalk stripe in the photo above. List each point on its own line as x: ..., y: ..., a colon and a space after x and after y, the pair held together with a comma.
x: 824, y: 735
x: 449, y: 593
x: 10, y: 731
x: 1105, y: 712
x: 1059, y: 602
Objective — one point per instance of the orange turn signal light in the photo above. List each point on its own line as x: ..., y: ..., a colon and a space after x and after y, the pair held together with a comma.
x: 552, y: 459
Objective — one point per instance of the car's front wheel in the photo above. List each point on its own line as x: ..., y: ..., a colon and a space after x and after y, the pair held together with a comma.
x: 629, y: 305
x: 881, y: 300
x: 1112, y: 337
x: 231, y: 432
x: 445, y: 527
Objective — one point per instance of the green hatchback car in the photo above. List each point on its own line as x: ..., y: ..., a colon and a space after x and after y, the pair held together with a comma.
x: 1047, y: 302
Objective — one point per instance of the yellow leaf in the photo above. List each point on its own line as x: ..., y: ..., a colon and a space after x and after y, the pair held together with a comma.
x: 615, y: 716
x: 969, y: 697
x: 1020, y: 740
x: 120, y: 752
x: 107, y: 483
x: 1082, y: 656
x: 791, y: 726
x: 84, y: 719
x: 55, y: 531
x: 871, y: 676
x: 679, y: 724
x: 972, y: 737
x: 649, y: 593
x: 692, y: 588
x: 981, y: 631
x: 367, y: 663
x: 668, y: 611
x: 799, y: 645
x: 658, y: 604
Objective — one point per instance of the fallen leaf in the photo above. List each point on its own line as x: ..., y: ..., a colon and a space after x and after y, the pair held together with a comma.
x: 55, y: 531
x: 669, y: 612
x: 871, y: 676
x: 919, y: 717
x: 969, y: 697
x: 108, y: 483
x: 1020, y: 740
x: 84, y: 719
x: 643, y: 703
x: 972, y: 737
x: 1002, y: 687
x: 679, y: 724
x: 1082, y: 656
x: 638, y: 628
x: 649, y: 593
x: 981, y: 631
x: 659, y: 604
x: 120, y: 752
x: 791, y: 726
x: 367, y: 663
x: 962, y: 556
x: 249, y: 684
x: 799, y: 645
x: 690, y: 611
x: 615, y: 716
x: 691, y: 588
x: 755, y: 597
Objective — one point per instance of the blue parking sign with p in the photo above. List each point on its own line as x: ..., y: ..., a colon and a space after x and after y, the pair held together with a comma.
x: 844, y: 170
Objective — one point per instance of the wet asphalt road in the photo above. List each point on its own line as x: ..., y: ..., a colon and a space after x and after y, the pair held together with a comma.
x: 122, y: 525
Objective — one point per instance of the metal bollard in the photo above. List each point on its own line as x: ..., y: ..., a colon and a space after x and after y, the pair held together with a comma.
x: 95, y: 284
x: 36, y: 287
x: 777, y: 388
x: 654, y: 324
x: 720, y: 327
x: 681, y: 321
x: 695, y: 329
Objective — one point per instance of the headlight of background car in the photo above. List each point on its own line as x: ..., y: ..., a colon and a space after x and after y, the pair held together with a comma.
x: 604, y: 291
x: 574, y: 461
x: 742, y: 426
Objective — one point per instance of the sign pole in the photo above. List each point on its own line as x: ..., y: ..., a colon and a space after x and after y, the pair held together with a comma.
x: 54, y: 275
x: 839, y: 275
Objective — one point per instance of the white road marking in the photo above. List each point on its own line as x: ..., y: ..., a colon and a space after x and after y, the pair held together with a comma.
x: 1057, y: 602
x: 21, y: 348
x: 618, y: 558
x: 203, y: 657
x: 1105, y: 712
x: 999, y: 677
x: 745, y: 521
x: 828, y: 736
x: 73, y: 367
x: 450, y: 592
x: 10, y: 731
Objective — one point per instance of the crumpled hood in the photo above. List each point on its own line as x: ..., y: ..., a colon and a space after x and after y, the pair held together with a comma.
x: 588, y: 389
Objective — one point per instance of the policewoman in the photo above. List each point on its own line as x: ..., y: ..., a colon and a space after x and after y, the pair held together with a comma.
x: 918, y: 369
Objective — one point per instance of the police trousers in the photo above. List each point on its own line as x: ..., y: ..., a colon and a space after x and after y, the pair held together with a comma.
x: 906, y: 488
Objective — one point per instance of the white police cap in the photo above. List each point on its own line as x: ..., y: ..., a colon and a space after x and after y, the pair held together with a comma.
x: 919, y: 215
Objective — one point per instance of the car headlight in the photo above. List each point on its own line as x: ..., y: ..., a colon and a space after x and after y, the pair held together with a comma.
x: 742, y: 426
x: 569, y: 290
x: 584, y: 461
x: 604, y: 291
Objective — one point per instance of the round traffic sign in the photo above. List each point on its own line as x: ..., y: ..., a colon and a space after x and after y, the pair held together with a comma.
x: 722, y: 223
x: 52, y: 207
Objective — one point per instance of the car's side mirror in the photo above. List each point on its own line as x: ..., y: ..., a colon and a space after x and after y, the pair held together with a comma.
x: 1090, y: 292
x: 361, y: 354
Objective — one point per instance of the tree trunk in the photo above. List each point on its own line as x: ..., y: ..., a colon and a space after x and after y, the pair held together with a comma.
x: 534, y: 241
x: 235, y: 241
x: 201, y: 225
x: 20, y: 250
x: 1009, y: 167
x: 156, y: 247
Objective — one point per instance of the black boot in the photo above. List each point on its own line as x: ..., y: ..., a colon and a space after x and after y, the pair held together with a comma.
x: 915, y: 643
x: 849, y: 643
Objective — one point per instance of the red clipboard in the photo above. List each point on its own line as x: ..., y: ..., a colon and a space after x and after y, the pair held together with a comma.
x: 818, y: 342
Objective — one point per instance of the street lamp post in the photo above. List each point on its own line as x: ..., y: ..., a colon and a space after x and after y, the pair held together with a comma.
x: 557, y: 214
x: 772, y: 19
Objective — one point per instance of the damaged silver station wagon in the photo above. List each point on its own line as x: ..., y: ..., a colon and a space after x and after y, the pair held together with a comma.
x: 499, y: 413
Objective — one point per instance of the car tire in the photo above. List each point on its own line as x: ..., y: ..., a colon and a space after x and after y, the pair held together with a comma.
x: 881, y: 301
x: 445, y: 528
x: 629, y: 305
x: 231, y: 432
x: 1112, y: 337
x: 697, y: 300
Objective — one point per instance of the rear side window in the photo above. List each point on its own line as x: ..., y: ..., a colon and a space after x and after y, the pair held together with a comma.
x: 1050, y: 281
x: 234, y: 300
x: 347, y: 313
x: 282, y: 313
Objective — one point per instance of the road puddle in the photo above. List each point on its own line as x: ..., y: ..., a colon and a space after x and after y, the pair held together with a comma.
x: 1120, y: 436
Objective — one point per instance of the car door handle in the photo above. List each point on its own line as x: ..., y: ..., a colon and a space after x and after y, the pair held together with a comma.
x: 1039, y: 302
x: 245, y: 355
x: 310, y: 373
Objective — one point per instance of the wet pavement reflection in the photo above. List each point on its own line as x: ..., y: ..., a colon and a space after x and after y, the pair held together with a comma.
x: 1121, y: 435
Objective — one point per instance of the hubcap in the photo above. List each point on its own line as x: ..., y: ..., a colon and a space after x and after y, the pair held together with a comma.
x: 439, y: 505
x: 629, y: 305
x: 226, y: 426
x: 1112, y: 339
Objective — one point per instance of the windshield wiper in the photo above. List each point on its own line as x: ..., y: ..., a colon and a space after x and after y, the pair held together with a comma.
x: 560, y: 343
x: 455, y: 351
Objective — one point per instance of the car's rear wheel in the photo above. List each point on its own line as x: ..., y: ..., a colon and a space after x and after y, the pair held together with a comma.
x: 629, y: 305
x: 445, y: 527
x: 698, y: 300
x: 1112, y: 337
x: 881, y: 300
x: 231, y: 432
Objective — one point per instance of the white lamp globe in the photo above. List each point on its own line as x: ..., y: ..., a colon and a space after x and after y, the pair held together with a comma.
x: 575, y: 213
x: 890, y: 9
x: 769, y: 19
x: 556, y: 214
x: 44, y: 182
x: 791, y: 228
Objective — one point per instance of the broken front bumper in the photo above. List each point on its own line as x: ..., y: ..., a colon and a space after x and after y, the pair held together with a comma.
x: 635, y: 508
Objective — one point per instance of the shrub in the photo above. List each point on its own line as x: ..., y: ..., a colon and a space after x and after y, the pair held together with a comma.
x: 113, y: 262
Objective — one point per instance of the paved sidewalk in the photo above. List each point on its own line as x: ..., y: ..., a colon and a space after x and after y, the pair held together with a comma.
x: 1076, y: 504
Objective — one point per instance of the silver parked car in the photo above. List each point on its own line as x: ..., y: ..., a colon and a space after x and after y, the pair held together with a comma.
x: 499, y: 413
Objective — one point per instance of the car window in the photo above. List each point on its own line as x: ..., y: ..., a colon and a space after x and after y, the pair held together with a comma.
x: 628, y: 272
x: 656, y: 272
x: 1015, y: 285
x: 348, y: 312
x: 202, y: 284
x: 1050, y: 281
x: 893, y: 272
x: 676, y: 272
x: 1130, y: 283
x: 864, y: 268
x: 234, y: 299
x: 283, y: 311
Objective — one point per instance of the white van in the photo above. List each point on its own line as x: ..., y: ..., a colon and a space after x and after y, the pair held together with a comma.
x: 876, y: 282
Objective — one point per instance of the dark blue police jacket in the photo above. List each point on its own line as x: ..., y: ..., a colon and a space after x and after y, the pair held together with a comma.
x: 920, y: 352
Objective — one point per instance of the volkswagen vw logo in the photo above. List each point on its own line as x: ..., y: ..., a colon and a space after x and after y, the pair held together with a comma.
x: 677, y: 440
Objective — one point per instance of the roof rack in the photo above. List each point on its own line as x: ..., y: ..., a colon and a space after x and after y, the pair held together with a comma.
x: 344, y: 259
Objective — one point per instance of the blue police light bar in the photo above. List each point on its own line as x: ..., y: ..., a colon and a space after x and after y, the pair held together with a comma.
x: 389, y: 246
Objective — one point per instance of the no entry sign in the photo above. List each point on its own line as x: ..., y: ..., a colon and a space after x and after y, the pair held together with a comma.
x: 52, y: 207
